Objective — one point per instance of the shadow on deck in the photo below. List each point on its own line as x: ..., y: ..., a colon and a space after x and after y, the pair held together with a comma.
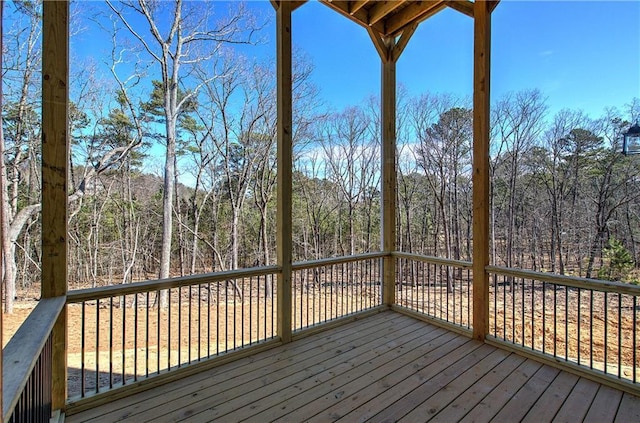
x: 388, y: 367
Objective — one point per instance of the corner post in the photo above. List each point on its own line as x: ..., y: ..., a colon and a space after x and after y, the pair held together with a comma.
x: 55, y: 161
x: 389, y: 178
x: 481, y: 130
x: 284, y: 241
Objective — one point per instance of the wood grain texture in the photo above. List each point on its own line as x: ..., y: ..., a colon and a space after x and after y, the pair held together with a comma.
x: 284, y: 238
x: 55, y: 163
x: 481, y: 115
x: 24, y: 348
x: 389, y: 178
x: 387, y: 367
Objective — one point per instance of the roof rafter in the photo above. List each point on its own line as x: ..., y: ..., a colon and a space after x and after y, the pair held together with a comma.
x: 360, y: 16
x: 356, y: 5
x: 416, y: 11
x: 462, y: 6
x: 382, y: 8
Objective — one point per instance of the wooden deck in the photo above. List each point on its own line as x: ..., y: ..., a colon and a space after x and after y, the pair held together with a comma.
x: 385, y: 368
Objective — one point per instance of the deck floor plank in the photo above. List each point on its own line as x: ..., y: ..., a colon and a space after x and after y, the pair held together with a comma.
x: 343, y: 400
x: 143, y: 401
x: 255, y: 374
x: 520, y: 403
x: 314, y: 397
x: 383, y: 368
x: 393, y: 395
x: 360, y: 359
x: 443, y: 395
x: 577, y: 404
x: 496, y: 399
x: 604, y: 405
x: 629, y: 409
x: 231, y: 395
x: 550, y: 402
x: 458, y: 408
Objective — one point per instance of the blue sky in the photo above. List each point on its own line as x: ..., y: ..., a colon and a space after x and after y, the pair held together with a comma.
x: 580, y: 54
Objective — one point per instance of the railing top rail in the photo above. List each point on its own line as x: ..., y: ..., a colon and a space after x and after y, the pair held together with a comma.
x: 337, y: 260
x: 435, y: 260
x: 572, y: 281
x: 21, y: 353
x: 89, y: 294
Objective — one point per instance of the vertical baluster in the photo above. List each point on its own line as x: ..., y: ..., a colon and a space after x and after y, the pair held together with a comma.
x: 189, y: 322
x: 110, y: 342
x: 566, y: 323
x: 97, y: 345
x: 83, y: 340
x: 146, y: 347
x: 619, y: 335
x: 209, y: 320
x: 533, y: 314
x: 123, y: 307
x: 217, y: 318
x: 591, y: 329
x: 251, y: 308
x: 158, y: 302
x: 544, y: 317
x: 634, y: 335
x: 606, y: 331
x: 579, y: 321
x: 242, y: 312
x: 135, y: 337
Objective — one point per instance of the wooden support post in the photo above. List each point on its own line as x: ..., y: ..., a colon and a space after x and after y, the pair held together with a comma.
x: 481, y: 110
x: 285, y: 164
x: 389, y: 178
x: 389, y: 49
x: 55, y: 160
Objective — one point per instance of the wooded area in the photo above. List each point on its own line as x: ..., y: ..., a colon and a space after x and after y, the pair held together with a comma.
x: 174, y: 166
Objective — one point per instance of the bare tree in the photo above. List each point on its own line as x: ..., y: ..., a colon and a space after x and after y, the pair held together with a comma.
x: 175, y: 47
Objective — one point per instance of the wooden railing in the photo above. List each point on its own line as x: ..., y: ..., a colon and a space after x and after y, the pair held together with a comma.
x: 437, y: 288
x: 586, y: 325
x: 130, y: 332
x: 27, y: 378
x: 329, y: 289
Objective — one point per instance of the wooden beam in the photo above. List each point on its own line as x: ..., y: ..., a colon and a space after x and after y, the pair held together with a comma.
x: 492, y: 5
x: 294, y: 4
x: 361, y: 17
x: 481, y: 112
x: 284, y: 239
x: 417, y: 11
x: 55, y: 160
x: 381, y: 9
x: 389, y: 177
x: 380, y: 44
x: 462, y: 6
x: 354, y: 6
x: 403, y: 41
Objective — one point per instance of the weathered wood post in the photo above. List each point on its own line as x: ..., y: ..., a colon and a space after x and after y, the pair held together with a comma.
x: 389, y: 48
x: 284, y: 241
x: 55, y: 161
x: 481, y: 113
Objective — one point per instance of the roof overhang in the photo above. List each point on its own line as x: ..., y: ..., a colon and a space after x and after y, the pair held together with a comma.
x: 391, y: 18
